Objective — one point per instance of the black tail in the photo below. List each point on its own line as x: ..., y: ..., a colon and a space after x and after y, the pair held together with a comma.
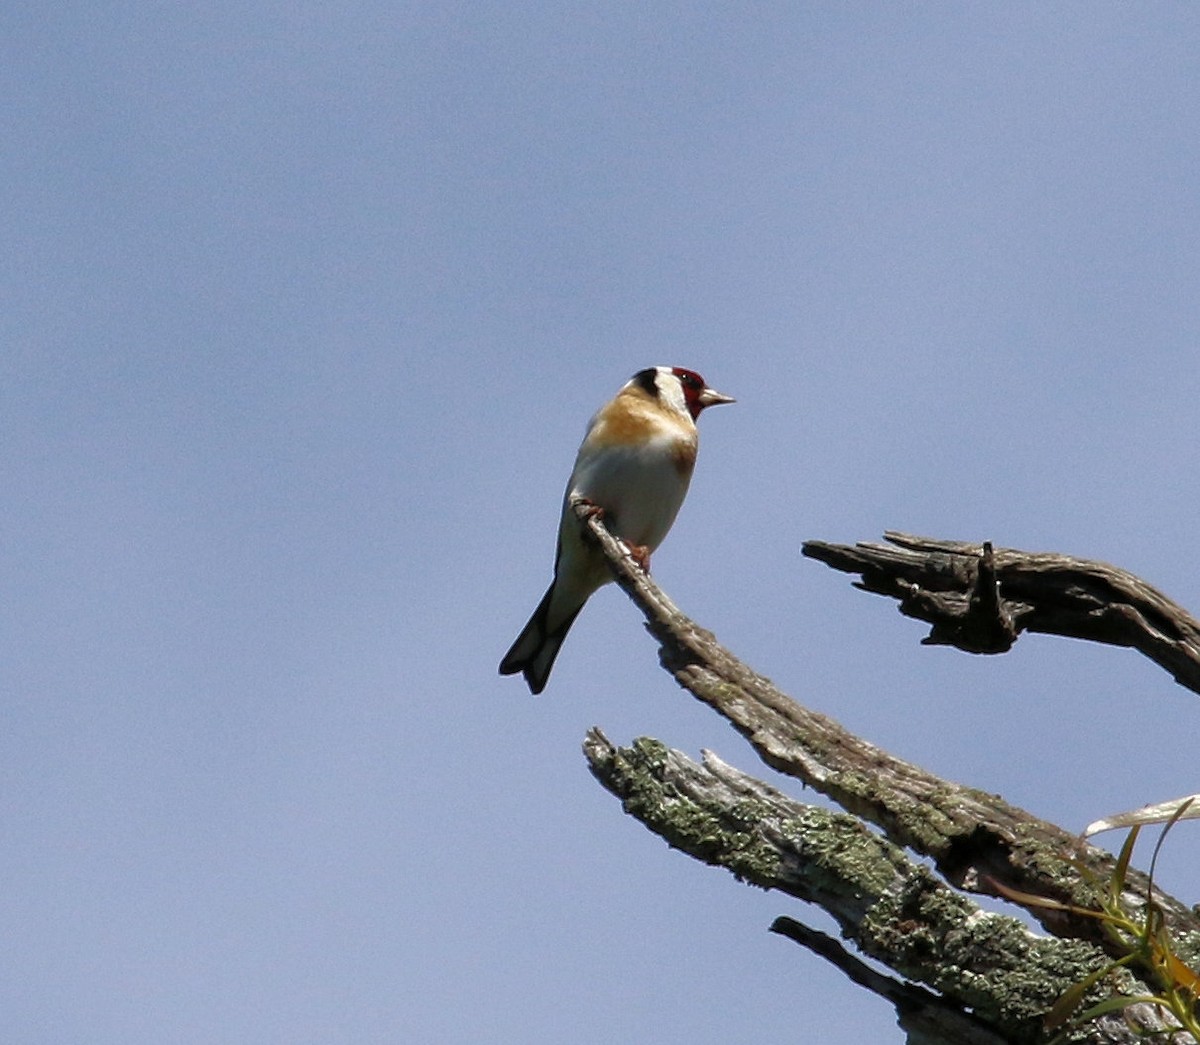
x: 534, y: 652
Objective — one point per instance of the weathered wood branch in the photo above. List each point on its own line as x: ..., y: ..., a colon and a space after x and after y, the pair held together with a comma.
x: 975, y: 838
x: 993, y: 977
x: 927, y: 1017
x: 980, y: 599
x: 977, y: 841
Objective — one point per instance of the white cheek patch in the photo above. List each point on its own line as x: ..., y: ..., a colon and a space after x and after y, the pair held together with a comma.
x: 670, y: 391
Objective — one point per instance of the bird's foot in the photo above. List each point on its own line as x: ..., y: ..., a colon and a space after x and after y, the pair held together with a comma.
x: 641, y: 555
x: 591, y: 509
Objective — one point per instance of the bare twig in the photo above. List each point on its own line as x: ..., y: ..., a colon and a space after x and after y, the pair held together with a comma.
x: 925, y: 1015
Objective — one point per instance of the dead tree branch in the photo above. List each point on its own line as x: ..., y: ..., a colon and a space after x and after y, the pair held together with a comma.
x: 993, y: 977
x: 977, y: 841
x: 979, y: 599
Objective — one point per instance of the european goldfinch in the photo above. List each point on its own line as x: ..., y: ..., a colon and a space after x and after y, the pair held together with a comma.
x: 634, y: 465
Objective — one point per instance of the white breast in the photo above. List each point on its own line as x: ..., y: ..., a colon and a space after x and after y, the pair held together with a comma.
x: 639, y: 487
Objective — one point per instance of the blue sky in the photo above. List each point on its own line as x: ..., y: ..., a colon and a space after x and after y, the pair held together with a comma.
x: 305, y: 309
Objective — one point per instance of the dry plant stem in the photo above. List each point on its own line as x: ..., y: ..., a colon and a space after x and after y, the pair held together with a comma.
x: 974, y: 838
x: 980, y: 599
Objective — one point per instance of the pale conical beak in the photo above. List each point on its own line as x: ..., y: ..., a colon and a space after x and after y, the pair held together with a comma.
x: 711, y: 397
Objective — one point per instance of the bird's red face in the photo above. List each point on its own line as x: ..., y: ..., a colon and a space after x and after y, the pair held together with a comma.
x: 696, y: 393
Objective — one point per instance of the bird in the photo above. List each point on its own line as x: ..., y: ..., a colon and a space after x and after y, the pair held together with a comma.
x: 633, y: 468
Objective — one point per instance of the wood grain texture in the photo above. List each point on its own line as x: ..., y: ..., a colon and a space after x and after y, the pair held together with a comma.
x: 979, y: 599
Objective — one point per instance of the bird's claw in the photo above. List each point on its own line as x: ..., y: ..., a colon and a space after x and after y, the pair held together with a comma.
x: 591, y: 509
x: 641, y: 555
